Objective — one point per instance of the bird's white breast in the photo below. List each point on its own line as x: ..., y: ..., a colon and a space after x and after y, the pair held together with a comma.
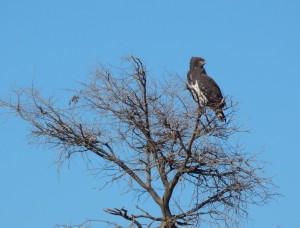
x: 201, y: 96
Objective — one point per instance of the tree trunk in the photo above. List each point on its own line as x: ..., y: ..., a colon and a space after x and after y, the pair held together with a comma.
x: 168, y: 221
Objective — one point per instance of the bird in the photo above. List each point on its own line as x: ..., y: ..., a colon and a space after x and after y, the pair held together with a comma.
x: 74, y: 99
x: 204, y: 89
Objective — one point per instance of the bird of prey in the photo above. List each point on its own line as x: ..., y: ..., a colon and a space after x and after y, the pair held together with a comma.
x: 204, y: 89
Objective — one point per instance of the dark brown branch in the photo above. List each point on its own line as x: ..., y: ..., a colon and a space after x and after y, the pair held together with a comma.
x: 123, y: 213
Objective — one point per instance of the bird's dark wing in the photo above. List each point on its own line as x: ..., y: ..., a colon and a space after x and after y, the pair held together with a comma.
x: 208, y: 87
x: 212, y: 87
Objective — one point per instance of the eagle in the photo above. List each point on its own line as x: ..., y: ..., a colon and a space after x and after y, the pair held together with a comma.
x: 204, y: 89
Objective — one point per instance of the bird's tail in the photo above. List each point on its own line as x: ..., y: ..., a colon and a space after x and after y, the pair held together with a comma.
x: 220, y: 115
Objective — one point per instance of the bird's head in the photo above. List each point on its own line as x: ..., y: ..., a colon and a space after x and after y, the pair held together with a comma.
x: 197, y: 62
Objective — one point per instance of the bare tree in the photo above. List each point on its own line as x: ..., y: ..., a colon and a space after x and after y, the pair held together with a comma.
x: 157, y: 139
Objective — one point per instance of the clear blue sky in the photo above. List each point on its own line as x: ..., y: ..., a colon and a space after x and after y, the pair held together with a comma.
x: 252, y: 49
